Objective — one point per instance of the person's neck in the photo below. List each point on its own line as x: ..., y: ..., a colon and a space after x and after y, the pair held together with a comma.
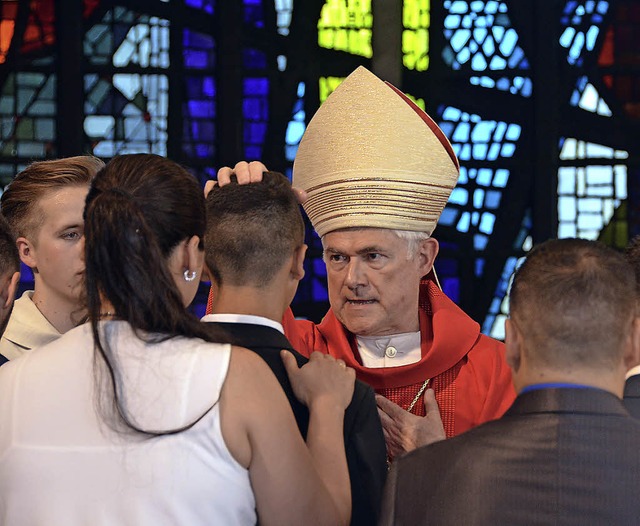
x: 59, y: 312
x: 608, y: 380
x: 248, y: 300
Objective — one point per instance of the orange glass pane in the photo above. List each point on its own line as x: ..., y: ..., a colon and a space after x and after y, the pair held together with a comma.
x: 8, y: 10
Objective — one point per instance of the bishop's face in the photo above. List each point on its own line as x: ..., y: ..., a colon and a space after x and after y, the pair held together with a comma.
x: 373, y: 281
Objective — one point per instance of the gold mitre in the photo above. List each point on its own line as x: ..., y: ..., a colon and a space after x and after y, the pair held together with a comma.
x: 371, y: 158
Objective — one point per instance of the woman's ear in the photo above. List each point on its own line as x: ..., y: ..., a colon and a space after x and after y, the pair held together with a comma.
x: 194, y: 256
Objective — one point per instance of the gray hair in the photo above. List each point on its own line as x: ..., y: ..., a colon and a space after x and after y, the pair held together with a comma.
x: 412, y: 238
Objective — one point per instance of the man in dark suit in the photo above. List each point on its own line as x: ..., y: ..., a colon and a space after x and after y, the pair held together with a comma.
x: 631, y: 397
x: 567, y: 451
x: 255, y: 253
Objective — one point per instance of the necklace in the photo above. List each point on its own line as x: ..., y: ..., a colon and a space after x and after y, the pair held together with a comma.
x: 417, y: 397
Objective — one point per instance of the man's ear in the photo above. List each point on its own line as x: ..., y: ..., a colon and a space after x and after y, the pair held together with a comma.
x: 427, y: 253
x: 297, y: 263
x: 632, y: 353
x: 12, y: 287
x: 513, y: 345
x: 26, y: 252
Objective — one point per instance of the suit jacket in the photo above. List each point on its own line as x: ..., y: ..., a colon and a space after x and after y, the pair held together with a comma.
x: 631, y: 398
x: 558, y: 456
x: 363, y: 438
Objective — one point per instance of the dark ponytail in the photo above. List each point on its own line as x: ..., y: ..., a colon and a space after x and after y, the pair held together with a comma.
x: 139, y: 208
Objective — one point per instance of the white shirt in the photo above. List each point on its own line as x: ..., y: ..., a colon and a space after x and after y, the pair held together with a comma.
x: 244, y: 318
x: 27, y: 328
x: 633, y: 371
x: 389, y: 351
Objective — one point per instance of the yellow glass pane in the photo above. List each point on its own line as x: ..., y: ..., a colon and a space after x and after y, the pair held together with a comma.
x: 327, y: 85
x: 415, y: 35
x: 345, y: 25
x: 418, y: 102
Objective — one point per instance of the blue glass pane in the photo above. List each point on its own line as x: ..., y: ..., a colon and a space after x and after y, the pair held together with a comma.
x: 253, y: 14
x: 199, y: 110
x: 284, y: 9
x: 480, y: 37
x: 296, y: 125
x: 480, y: 241
x: 254, y: 59
x: 582, y: 22
x: 448, y: 217
x: 459, y: 196
x: 199, y: 50
x: 204, y: 5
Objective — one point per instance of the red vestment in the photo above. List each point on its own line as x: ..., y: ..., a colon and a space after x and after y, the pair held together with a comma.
x: 467, y: 370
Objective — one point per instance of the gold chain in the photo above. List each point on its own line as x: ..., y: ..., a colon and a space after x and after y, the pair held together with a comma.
x: 424, y: 386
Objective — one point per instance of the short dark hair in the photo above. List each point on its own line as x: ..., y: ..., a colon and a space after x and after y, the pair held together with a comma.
x: 9, y: 256
x: 251, y: 230
x: 574, y: 302
x: 21, y: 197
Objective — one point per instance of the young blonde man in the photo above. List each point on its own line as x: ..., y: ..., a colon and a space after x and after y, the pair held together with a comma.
x: 44, y: 205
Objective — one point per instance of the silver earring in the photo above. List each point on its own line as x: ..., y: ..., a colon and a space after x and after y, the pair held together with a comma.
x: 189, y: 275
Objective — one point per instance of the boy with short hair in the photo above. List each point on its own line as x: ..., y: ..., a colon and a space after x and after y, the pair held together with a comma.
x: 44, y: 205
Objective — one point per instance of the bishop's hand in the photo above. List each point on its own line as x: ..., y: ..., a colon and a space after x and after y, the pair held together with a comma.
x: 403, y: 431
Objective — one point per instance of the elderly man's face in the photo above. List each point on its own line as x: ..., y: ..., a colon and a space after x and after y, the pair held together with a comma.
x: 373, y: 287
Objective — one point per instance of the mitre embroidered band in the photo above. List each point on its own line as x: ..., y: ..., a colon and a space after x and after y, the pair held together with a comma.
x: 355, y: 175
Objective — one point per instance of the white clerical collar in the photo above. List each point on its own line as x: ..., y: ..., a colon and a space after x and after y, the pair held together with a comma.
x: 390, y: 351
x: 244, y: 318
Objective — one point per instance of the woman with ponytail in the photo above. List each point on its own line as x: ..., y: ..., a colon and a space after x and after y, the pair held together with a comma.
x: 144, y: 415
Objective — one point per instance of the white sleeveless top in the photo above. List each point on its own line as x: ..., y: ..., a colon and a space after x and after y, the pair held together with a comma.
x: 61, y: 465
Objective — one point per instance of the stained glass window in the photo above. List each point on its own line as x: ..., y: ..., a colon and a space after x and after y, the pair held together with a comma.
x: 132, y: 59
x: 8, y: 13
x: 586, y: 96
x: 199, y: 106
x: 345, y: 25
x: 283, y: 10
x: 582, y: 21
x: 415, y: 34
x: 477, y: 196
x: 127, y: 112
x: 296, y: 126
x: 588, y: 194
x: 28, y: 111
x: 480, y: 37
x: 204, y: 5
x: 499, y: 309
